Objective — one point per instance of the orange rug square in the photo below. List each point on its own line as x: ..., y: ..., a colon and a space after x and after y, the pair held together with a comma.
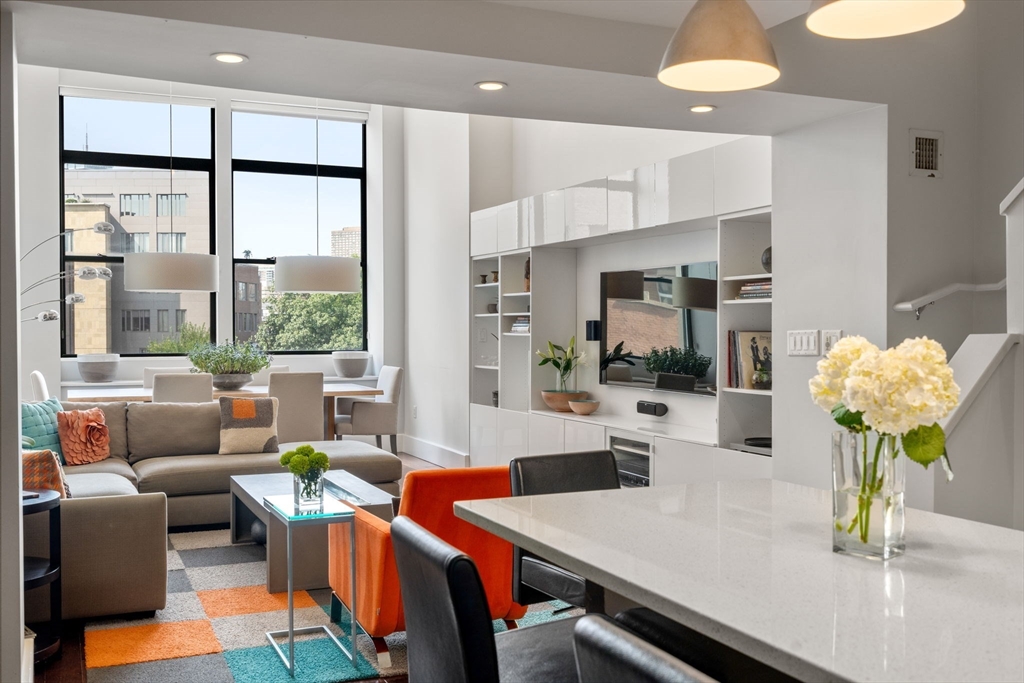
x: 231, y: 602
x: 148, y: 643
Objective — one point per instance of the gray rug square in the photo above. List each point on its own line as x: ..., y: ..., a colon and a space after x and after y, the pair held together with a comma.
x: 202, y: 669
x: 200, y: 539
x: 227, y: 576
x: 181, y: 606
x: 214, y: 557
x: 177, y: 582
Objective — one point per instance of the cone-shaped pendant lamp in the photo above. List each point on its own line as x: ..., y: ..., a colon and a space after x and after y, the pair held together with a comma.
x: 720, y: 46
x: 859, y: 19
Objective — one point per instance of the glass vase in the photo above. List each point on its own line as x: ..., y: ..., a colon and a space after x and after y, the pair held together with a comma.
x: 309, y: 492
x: 868, y: 480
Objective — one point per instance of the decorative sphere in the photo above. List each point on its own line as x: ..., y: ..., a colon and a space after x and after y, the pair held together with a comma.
x: 766, y: 260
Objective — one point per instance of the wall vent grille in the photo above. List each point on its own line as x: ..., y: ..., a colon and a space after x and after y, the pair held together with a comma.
x: 926, y: 153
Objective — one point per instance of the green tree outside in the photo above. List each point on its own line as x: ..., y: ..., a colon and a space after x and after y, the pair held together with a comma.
x: 189, y: 337
x: 312, y: 322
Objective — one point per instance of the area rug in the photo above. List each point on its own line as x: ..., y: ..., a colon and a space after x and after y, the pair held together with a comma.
x: 217, y: 613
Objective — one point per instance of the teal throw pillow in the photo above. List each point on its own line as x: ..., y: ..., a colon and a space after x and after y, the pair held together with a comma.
x: 39, y: 423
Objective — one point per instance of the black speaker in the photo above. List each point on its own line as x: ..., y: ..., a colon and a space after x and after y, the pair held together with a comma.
x: 593, y: 330
x: 651, y: 408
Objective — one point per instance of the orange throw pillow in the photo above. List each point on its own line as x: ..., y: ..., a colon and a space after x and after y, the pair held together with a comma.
x: 40, y: 470
x: 84, y: 436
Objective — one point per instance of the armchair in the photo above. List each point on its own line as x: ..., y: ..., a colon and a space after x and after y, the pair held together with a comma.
x: 427, y: 499
x: 375, y: 417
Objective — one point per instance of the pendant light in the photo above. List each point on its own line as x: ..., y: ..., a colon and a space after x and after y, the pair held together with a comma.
x: 721, y: 46
x: 859, y: 19
x: 311, y: 274
x: 163, y: 271
x: 694, y: 293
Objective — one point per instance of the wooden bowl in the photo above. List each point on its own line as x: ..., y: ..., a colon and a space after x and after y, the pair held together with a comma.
x: 584, y: 407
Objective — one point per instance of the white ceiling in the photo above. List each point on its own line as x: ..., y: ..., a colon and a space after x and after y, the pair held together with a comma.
x: 360, y: 52
x: 668, y: 13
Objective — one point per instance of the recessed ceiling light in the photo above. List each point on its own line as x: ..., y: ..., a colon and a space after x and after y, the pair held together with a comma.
x: 229, y: 57
x: 702, y: 108
x: 491, y: 85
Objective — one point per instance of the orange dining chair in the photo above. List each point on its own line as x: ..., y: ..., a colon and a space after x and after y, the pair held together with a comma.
x: 428, y: 497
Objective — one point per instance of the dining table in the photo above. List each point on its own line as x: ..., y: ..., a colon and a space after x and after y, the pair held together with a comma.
x: 751, y: 565
x: 136, y: 393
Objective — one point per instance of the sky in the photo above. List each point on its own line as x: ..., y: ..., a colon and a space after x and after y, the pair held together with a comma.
x: 274, y: 215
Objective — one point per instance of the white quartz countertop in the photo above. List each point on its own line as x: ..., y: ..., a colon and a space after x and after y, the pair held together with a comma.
x: 750, y: 563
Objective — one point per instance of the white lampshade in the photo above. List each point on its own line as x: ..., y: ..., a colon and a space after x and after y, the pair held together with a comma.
x: 170, y: 272
x: 720, y: 46
x: 695, y: 293
x: 860, y: 19
x: 302, y: 274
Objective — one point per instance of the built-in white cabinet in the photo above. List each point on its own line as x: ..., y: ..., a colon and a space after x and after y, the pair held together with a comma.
x: 632, y: 199
x: 483, y: 435
x: 743, y: 175
x: 483, y: 231
x: 547, y: 435
x: 685, y: 187
x: 508, y: 237
x: 732, y: 465
x: 580, y: 436
x: 548, y: 224
x: 681, y: 462
x: 586, y: 209
x: 513, y: 435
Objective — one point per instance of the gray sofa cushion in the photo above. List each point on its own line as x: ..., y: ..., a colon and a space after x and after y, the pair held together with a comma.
x: 115, y: 416
x: 163, y: 429
x: 96, y: 485
x: 371, y: 464
x: 108, y: 466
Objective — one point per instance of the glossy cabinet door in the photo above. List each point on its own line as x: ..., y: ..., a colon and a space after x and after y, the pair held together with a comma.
x: 580, y: 436
x: 525, y: 223
x: 731, y: 465
x: 483, y: 435
x: 682, y: 462
x: 547, y: 434
x: 685, y: 187
x: 743, y: 175
x: 631, y: 199
x: 586, y: 209
x: 508, y: 227
x: 548, y: 218
x: 513, y: 435
x: 483, y: 231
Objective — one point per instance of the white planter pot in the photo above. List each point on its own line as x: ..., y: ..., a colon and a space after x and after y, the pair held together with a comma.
x: 350, y: 364
x: 98, y: 367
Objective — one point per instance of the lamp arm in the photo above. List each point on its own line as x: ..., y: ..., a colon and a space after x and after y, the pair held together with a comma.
x: 45, y: 280
x: 40, y: 303
x: 52, y: 237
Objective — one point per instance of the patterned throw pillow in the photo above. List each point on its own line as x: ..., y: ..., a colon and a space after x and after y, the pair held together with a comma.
x: 248, y: 425
x: 39, y: 423
x: 84, y: 436
x: 40, y: 470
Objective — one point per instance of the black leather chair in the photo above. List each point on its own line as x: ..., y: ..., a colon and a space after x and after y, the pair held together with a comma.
x: 449, y: 634
x: 717, y: 660
x: 605, y: 652
x: 534, y: 579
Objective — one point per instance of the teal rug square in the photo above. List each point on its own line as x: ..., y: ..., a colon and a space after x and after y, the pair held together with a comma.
x: 316, y: 661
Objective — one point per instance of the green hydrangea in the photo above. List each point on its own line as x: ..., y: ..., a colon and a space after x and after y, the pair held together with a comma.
x: 305, y: 461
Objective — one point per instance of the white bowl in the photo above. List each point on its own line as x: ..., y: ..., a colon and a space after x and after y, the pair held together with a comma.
x: 98, y: 367
x: 350, y: 363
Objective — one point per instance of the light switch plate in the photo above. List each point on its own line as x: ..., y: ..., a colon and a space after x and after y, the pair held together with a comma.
x: 829, y: 339
x: 802, y: 343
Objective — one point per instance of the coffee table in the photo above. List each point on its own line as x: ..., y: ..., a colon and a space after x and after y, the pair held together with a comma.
x: 309, y: 543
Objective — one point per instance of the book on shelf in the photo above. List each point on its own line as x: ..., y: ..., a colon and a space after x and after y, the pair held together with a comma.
x: 755, y: 288
x: 747, y: 353
x: 521, y: 325
x: 754, y: 295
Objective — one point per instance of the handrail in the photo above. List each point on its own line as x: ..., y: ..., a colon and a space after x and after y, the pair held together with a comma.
x: 974, y: 363
x: 917, y: 305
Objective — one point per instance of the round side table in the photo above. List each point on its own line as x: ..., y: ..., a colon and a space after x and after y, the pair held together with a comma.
x: 42, y: 571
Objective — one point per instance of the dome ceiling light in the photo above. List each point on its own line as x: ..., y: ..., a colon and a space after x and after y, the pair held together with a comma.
x: 860, y: 19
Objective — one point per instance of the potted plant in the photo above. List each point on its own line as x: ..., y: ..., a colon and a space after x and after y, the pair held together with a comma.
x: 672, y: 360
x: 565, y: 360
x: 308, y: 466
x: 231, y: 365
x: 762, y: 379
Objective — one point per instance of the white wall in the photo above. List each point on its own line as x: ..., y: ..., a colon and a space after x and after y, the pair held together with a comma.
x: 490, y: 161
x: 548, y: 155
x: 653, y: 252
x: 11, y: 603
x: 829, y: 259
x: 437, y: 285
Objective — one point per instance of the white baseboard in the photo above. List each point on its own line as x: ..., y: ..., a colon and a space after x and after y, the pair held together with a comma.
x: 432, y: 452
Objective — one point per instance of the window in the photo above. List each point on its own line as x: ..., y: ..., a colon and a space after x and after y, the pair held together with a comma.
x: 114, y: 176
x: 170, y: 204
x: 299, y: 188
x: 134, y: 242
x: 135, y: 205
x: 170, y: 241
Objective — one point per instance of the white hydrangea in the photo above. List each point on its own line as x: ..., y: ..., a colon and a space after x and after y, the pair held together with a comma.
x: 902, y: 388
x: 827, y: 387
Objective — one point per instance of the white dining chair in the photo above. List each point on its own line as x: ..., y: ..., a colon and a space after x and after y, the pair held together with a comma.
x: 39, y: 390
x: 300, y: 399
x: 262, y: 378
x: 149, y: 373
x: 179, y: 388
x: 377, y: 417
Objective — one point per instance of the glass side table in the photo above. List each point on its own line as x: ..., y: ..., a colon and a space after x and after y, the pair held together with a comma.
x: 334, y: 512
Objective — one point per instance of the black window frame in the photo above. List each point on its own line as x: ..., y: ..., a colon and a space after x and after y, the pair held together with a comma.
x: 301, y: 169
x: 147, y: 161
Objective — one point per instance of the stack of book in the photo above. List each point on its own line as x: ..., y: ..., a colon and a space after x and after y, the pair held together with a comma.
x: 748, y: 353
x: 756, y: 289
x: 521, y: 325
